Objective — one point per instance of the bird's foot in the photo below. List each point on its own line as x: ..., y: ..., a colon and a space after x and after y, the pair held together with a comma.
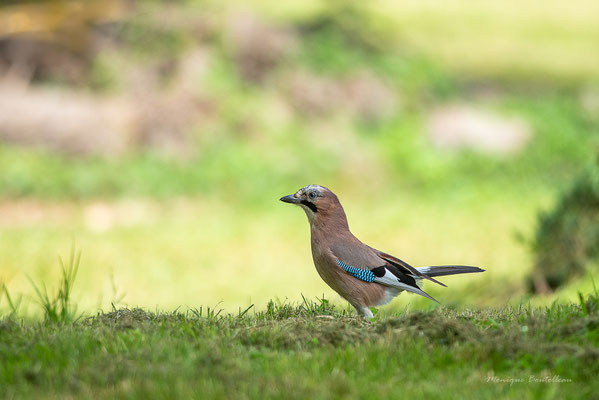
x: 365, y: 312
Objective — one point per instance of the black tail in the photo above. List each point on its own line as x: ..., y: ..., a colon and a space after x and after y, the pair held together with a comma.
x: 442, y: 270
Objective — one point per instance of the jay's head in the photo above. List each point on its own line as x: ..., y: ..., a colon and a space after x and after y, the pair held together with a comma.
x: 317, y: 201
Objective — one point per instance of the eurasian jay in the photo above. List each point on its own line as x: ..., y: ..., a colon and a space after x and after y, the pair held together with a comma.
x: 362, y: 275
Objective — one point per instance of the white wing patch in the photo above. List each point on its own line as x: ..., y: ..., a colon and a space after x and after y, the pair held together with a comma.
x: 393, y: 282
x: 388, y: 279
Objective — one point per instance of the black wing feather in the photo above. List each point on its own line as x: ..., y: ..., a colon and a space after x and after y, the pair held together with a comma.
x: 399, y: 264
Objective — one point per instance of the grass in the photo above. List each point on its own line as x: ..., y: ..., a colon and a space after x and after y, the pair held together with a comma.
x: 59, y: 307
x: 306, y: 350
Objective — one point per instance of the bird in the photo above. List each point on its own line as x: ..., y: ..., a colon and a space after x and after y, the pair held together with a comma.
x: 362, y: 275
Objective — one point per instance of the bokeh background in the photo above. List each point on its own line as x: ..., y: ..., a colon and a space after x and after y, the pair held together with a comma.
x: 157, y: 137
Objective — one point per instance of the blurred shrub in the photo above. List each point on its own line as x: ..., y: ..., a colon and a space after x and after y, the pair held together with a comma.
x: 344, y: 36
x: 567, y: 238
x: 191, y: 96
x: 256, y: 47
x: 54, y: 40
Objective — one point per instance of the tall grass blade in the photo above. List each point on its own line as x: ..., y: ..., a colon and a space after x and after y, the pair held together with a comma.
x: 59, y: 308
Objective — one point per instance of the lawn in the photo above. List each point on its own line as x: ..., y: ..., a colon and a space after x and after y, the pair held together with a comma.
x: 307, y: 350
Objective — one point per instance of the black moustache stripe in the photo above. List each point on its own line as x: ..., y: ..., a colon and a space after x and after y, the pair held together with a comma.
x: 311, y: 206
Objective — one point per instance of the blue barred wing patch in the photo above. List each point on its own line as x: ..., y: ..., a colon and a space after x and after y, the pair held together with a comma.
x: 362, y: 274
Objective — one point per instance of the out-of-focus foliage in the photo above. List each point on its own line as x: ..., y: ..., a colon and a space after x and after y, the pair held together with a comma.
x: 162, y: 135
x: 567, y: 238
x: 216, y: 94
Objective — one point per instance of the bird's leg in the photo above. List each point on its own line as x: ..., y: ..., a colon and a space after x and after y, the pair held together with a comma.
x: 364, y: 311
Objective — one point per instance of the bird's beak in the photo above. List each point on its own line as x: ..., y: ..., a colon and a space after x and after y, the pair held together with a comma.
x: 290, y: 199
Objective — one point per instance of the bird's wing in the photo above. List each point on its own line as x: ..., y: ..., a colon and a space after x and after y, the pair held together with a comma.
x: 363, y: 262
x: 407, y: 268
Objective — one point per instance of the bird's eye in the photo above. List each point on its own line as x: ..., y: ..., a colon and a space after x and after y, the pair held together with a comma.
x: 312, y: 195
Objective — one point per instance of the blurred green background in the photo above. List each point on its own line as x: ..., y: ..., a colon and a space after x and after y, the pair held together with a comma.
x: 158, y: 136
